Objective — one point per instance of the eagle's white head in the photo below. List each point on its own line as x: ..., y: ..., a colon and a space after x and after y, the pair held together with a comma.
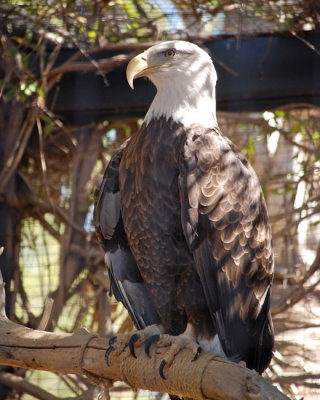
x: 185, y: 79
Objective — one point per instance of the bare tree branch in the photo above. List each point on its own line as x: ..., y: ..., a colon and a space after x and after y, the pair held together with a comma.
x: 17, y: 152
x: 104, y: 65
x: 297, y: 293
x: 21, y: 384
x: 210, y: 376
x: 2, y: 293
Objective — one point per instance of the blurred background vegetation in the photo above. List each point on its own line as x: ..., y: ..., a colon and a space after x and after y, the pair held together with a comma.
x: 50, y: 166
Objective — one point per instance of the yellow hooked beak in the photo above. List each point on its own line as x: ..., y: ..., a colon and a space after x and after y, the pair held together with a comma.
x: 139, y: 66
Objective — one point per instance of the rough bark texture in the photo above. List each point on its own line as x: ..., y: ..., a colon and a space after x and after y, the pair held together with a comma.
x: 82, y: 353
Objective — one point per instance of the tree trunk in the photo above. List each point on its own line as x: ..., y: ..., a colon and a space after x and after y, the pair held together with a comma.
x: 16, y: 124
x: 88, y: 147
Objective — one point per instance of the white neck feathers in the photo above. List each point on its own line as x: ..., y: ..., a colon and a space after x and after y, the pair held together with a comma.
x: 199, y: 111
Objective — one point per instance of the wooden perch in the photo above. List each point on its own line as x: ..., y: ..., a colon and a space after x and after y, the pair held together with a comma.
x: 209, y: 376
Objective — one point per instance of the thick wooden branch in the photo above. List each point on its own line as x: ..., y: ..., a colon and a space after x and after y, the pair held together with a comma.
x: 209, y: 376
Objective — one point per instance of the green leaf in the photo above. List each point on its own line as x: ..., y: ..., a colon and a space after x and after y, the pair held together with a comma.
x: 40, y: 92
x: 316, y: 135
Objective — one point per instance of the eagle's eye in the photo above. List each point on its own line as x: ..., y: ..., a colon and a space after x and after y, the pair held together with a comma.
x: 170, y: 53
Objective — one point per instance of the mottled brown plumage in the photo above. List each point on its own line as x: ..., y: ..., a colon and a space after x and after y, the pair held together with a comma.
x: 184, y: 225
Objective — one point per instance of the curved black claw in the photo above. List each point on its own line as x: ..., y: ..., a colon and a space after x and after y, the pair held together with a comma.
x: 132, y: 341
x: 152, y: 339
x: 113, y: 340
x: 110, y: 349
x: 199, y: 350
x: 161, y: 368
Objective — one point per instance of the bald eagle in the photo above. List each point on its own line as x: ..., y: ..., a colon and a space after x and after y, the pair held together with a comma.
x: 183, y: 221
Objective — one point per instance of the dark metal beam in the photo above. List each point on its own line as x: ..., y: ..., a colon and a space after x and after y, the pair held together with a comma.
x: 254, y: 73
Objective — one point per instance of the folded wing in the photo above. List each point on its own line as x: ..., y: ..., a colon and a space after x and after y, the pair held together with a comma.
x: 225, y: 222
x: 125, y: 280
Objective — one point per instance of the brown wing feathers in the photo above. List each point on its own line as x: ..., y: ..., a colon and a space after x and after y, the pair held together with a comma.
x: 126, y: 282
x: 227, y: 228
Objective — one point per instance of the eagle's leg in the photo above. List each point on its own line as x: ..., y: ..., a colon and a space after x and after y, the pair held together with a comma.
x: 187, y: 340
x: 148, y: 336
